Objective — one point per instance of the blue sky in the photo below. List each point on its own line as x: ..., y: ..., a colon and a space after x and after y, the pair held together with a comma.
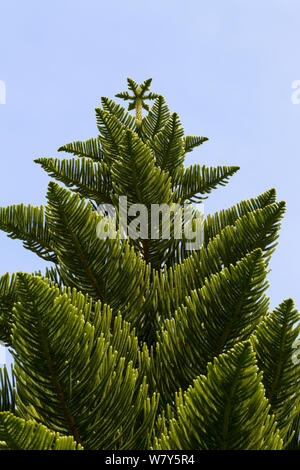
x: 226, y: 67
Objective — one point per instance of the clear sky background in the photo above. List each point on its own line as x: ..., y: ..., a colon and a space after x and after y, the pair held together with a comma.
x: 226, y: 67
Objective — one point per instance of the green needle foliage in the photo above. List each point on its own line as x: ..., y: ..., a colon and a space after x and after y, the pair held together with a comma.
x: 141, y: 343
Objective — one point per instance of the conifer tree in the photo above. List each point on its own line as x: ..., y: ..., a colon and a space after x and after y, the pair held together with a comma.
x: 141, y: 343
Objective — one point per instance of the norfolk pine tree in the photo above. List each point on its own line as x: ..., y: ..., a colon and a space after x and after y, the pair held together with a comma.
x: 126, y: 343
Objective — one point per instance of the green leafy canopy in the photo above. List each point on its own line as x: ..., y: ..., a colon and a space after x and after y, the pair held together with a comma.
x: 124, y: 343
